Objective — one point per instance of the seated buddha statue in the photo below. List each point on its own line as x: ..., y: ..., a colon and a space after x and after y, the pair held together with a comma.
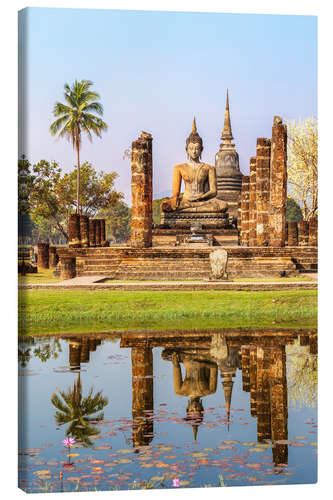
x: 199, y: 179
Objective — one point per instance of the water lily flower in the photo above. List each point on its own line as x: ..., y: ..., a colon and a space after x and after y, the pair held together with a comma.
x: 68, y: 441
x: 175, y: 482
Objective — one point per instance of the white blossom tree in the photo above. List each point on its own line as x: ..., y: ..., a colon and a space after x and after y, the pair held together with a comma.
x: 303, y: 165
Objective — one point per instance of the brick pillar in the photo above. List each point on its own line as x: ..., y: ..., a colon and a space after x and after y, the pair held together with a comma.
x: 92, y: 233
x: 278, y: 184
x: 292, y: 234
x: 74, y: 237
x: 53, y: 257
x: 84, y: 230
x: 142, y: 188
x: 239, y: 218
x: 313, y: 232
x: 67, y: 268
x: 263, y: 154
x: 103, y: 237
x: 279, y: 404
x: 245, y: 210
x: 303, y: 233
x: 98, y: 232
x: 252, y: 204
x: 43, y: 256
x: 142, y: 395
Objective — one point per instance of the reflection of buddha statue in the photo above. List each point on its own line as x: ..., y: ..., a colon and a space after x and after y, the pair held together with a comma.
x: 200, y: 182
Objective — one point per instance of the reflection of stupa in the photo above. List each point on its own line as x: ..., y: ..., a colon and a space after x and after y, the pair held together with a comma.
x: 80, y: 349
x: 228, y: 174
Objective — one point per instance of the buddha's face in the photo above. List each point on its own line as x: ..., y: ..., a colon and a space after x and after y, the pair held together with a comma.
x: 194, y: 150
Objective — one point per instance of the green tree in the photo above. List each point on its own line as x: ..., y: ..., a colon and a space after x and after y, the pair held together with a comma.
x: 25, y: 183
x: 79, y: 412
x: 77, y: 117
x: 157, y: 210
x: 294, y: 212
x: 117, y: 221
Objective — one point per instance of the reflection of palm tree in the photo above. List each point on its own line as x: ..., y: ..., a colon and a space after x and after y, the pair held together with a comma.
x: 79, y: 412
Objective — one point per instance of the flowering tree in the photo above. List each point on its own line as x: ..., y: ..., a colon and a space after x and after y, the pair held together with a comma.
x: 303, y: 165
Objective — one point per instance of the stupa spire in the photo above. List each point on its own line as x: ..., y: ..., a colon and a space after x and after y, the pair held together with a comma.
x: 226, y: 132
x: 194, y: 126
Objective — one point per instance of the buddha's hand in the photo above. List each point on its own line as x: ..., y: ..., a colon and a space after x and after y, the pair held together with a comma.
x: 175, y: 358
x: 170, y: 205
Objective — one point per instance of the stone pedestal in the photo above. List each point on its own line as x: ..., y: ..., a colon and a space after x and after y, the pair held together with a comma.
x: 67, y: 268
x: 84, y: 230
x: 43, y: 256
x: 53, y: 257
x: 245, y: 211
x: 74, y: 237
x: 92, y: 232
x: 252, y: 204
x: 303, y: 233
x: 313, y: 232
x: 263, y: 154
x: 292, y: 234
x: 141, y: 184
x: 278, y: 184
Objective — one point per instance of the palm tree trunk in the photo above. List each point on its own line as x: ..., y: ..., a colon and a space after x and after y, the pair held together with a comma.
x: 78, y: 180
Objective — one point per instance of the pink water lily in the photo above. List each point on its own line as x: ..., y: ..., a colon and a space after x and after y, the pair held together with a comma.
x: 175, y: 482
x: 68, y: 441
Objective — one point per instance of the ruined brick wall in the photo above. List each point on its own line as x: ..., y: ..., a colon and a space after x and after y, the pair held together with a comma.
x: 313, y: 232
x: 142, y: 191
x: 252, y: 204
x: 278, y: 184
x: 244, y: 235
x: 292, y: 234
x: 98, y: 232
x: 92, y: 232
x: 303, y: 233
x: 74, y: 237
x: 84, y: 230
x: 263, y: 154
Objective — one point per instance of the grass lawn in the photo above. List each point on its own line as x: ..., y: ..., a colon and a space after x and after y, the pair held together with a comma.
x: 43, y: 276
x: 60, y: 311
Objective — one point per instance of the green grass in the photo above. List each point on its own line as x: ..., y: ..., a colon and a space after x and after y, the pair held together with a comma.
x: 43, y: 276
x: 60, y: 311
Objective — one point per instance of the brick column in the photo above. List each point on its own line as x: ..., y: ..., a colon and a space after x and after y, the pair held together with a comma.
x: 43, y: 256
x: 313, y: 232
x: 98, y: 232
x: 278, y: 184
x: 303, y: 233
x: 92, y: 233
x: 245, y: 210
x: 103, y: 238
x: 142, y: 189
x: 53, y: 257
x: 142, y: 395
x: 74, y: 237
x: 292, y: 234
x: 252, y: 204
x: 239, y: 218
x: 84, y: 230
x: 67, y: 268
x: 263, y: 154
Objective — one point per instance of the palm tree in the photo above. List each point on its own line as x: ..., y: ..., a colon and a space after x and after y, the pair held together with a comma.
x: 79, y: 412
x: 77, y: 116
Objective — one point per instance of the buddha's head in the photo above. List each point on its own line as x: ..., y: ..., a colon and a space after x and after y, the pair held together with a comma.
x: 194, y: 145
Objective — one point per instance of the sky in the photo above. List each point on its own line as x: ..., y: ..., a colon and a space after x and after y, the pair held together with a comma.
x: 154, y: 71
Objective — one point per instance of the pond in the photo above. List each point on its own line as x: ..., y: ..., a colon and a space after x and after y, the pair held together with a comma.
x: 167, y: 410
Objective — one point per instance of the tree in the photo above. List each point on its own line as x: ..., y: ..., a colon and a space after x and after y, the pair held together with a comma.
x: 303, y: 165
x: 118, y: 221
x: 294, y: 212
x: 77, y: 116
x: 52, y: 197
x: 25, y: 182
x: 79, y: 412
x: 157, y: 210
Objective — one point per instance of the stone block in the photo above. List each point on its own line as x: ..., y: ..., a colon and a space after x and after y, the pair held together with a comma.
x: 43, y: 256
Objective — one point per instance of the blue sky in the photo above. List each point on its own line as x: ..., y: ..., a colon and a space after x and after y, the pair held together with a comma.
x: 155, y: 70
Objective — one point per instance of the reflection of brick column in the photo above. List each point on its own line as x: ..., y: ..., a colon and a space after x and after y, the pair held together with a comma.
x: 263, y: 154
x: 303, y: 233
x: 142, y: 189
x: 253, y: 381
x: 92, y: 232
x: 245, y: 210
x: 142, y: 396
x: 84, y: 230
x: 252, y: 204
x: 43, y: 255
x: 263, y: 395
x: 292, y: 234
x: 246, y: 368
x: 278, y: 184
x: 313, y: 232
x: 74, y: 354
x: 279, y: 404
x: 74, y: 238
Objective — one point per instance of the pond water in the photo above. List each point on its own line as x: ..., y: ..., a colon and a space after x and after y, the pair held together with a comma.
x: 167, y: 410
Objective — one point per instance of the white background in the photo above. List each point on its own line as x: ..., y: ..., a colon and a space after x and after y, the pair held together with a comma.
x: 8, y: 231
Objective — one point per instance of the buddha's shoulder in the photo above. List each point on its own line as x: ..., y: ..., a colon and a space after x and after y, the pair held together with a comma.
x: 180, y: 166
x: 207, y: 166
